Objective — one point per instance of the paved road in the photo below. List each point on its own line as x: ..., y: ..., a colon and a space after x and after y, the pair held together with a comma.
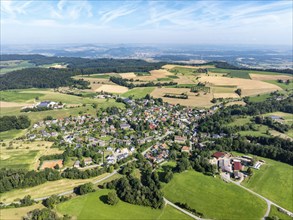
x: 181, y: 210
x: 269, y: 202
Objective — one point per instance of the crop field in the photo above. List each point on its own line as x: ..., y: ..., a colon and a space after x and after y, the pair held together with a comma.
x: 128, y: 75
x: 273, y: 181
x: 25, y: 155
x: 223, y: 89
x: 226, y: 95
x: 18, y: 213
x: 138, y: 93
x: 93, y: 206
x: 47, y: 189
x: 248, y: 87
x: 112, y: 89
x: 245, y: 74
x: 213, y: 197
x: 98, y: 76
x: 203, y: 100
x: 262, y: 77
x: 172, y: 66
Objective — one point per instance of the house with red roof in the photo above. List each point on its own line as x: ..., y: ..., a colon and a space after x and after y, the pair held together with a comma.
x: 218, y: 155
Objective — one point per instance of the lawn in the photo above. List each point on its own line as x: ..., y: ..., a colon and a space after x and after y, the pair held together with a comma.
x: 273, y: 181
x: 18, y: 96
x: 239, y: 121
x: 261, y: 131
x: 138, y: 93
x: 92, y: 206
x: 274, y: 212
x: 213, y: 197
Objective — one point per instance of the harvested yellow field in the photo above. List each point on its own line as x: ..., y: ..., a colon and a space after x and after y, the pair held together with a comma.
x: 203, y: 100
x: 47, y: 189
x: 11, y: 104
x: 269, y: 77
x: 185, y: 79
x: 127, y: 75
x: 155, y: 74
x: 248, y: 87
x: 225, y: 95
x: 18, y: 213
x: 236, y: 103
x: 112, y: 89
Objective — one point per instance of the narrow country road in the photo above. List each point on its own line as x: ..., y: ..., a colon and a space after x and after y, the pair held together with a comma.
x: 269, y: 202
x: 180, y: 209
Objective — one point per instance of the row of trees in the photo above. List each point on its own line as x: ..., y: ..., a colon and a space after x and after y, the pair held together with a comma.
x: 123, y: 82
x: 14, y: 122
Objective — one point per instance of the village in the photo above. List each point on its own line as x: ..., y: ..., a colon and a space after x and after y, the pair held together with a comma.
x: 146, y: 126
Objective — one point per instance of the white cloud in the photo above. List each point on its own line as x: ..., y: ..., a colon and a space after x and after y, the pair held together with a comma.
x: 113, y: 14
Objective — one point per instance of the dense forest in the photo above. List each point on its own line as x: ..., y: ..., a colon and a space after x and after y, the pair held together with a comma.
x: 89, y: 66
x: 14, y: 122
x: 39, y: 78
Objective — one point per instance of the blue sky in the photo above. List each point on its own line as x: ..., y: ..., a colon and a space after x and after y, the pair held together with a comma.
x: 190, y: 22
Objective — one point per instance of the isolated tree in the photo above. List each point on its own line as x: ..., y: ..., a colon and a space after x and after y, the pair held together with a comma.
x: 238, y: 92
x: 112, y: 198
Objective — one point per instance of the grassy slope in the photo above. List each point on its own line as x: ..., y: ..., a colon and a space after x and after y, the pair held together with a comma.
x: 138, y: 93
x: 92, y: 206
x: 274, y: 212
x: 14, y: 66
x: 50, y: 188
x: 259, y: 98
x: 274, y: 181
x: 213, y: 197
x: 282, y: 85
x: 18, y: 96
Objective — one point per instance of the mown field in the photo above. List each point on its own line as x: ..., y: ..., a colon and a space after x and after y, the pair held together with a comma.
x: 138, y: 93
x: 273, y: 181
x: 242, y: 73
x: 275, y: 213
x: 213, y: 197
x: 18, y: 213
x: 50, y: 188
x: 13, y: 65
x: 93, y: 206
x: 25, y: 155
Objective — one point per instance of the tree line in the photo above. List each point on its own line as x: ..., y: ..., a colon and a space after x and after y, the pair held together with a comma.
x: 124, y: 82
x: 14, y: 122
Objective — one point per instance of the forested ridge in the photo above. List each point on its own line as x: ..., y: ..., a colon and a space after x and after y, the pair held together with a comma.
x: 39, y: 78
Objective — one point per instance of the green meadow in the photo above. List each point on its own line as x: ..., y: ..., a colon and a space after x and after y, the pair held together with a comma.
x: 93, y: 206
x: 213, y: 197
x: 138, y: 93
x: 274, y: 181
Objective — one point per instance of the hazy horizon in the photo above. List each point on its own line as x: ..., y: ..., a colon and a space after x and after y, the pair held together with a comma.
x: 230, y: 23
